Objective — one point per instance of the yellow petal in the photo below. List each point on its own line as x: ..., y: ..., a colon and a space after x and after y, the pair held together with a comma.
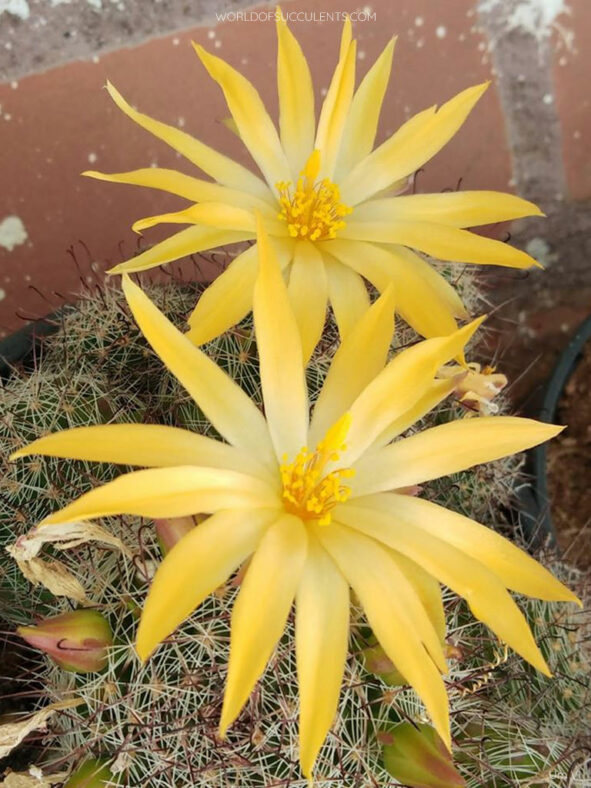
x: 395, y: 614
x: 186, y: 242
x: 296, y: 98
x: 362, y: 123
x: 517, y: 570
x: 148, y: 445
x: 227, y: 407
x: 197, y: 565
x: 254, y: 124
x: 488, y: 599
x: 347, y: 294
x: 219, y: 167
x: 456, y: 209
x: 439, y: 240
x: 308, y: 294
x: 194, y: 189
x: 169, y: 492
x: 446, y: 449
x: 426, y: 588
x: 280, y: 355
x: 409, y: 148
x: 211, y: 214
x: 261, y: 609
x: 397, y: 388
x: 364, y: 351
x: 322, y: 633
x: 335, y: 109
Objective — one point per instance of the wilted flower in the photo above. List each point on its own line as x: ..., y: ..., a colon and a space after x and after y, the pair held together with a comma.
x: 476, y: 386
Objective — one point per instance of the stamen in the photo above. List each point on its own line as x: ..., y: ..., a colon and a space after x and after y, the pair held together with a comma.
x: 314, y: 209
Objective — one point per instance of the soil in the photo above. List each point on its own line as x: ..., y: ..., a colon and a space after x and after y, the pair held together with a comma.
x: 569, y: 467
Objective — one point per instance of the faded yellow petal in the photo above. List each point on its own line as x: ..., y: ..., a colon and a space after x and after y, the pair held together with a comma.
x: 211, y: 214
x: 426, y: 588
x: 322, y: 633
x: 347, y: 294
x: 261, y: 609
x: 308, y: 294
x: 198, y: 564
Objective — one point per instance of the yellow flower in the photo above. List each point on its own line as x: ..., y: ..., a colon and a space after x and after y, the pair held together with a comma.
x: 313, y: 503
x: 476, y: 386
x: 328, y: 199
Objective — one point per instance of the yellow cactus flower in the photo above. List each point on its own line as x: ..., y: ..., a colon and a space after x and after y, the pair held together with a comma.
x: 330, y: 200
x: 315, y: 504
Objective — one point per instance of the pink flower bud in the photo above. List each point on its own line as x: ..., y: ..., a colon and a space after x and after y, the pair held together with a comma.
x: 417, y: 757
x: 93, y: 773
x: 76, y: 641
x: 172, y: 530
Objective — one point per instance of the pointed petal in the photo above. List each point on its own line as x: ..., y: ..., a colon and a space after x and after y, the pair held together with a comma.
x: 347, y: 294
x: 283, y: 381
x: 186, y: 242
x: 439, y: 240
x: 488, y: 599
x: 194, y: 189
x: 426, y: 588
x: 296, y: 98
x: 228, y: 408
x: 261, y: 609
x: 409, y: 148
x: 198, y: 564
x: 335, y: 109
x: 395, y: 615
x: 365, y: 351
x: 456, y: 209
x: 446, y: 449
x: 219, y: 167
x: 322, y: 634
x: 397, y: 388
x: 148, y: 445
x: 169, y: 492
x: 211, y: 214
x: 308, y: 294
x: 255, y: 126
x: 517, y: 570
x: 362, y: 123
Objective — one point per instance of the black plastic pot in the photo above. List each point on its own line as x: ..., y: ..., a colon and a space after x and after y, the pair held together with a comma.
x: 536, y: 517
x: 18, y: 347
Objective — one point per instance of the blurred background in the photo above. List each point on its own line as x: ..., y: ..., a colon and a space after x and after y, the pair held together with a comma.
x: 529, y: 134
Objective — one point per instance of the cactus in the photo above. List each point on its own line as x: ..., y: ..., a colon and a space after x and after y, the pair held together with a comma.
x: 156, y: 724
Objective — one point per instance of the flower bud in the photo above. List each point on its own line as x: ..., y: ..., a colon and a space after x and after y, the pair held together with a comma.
x: 172, y: 530
x: 377, y: 662
x: 417, y: 757
x: 77, y: 641
x: 93, y: 773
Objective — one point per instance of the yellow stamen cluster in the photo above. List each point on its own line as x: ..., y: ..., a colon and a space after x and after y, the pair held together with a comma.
x: 314, y: 209
x: 308, y: 492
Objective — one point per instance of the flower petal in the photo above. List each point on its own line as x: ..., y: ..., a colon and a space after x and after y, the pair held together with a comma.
x: 194, y: 189
x: 364, y: 350
x: 255, y: 126
x: 261, y: 609
x: 446, y: 449
x: 296, y: 98
x: 439, y: 240
x: 335, y: 107
x: 188, y: 241
x: 488, y: 599
x: 362, y: 122
x: 169, y: 492
x: 426, y: 588
x: 397, y: 388
x: 198, y: 564
x: 394, y: 613
x: 322, y: 634
x: 147, y: 445
x: 281, y: 362
x: 219, y: 167
x: 227, y: 407
x: 228, y: 299
x: 308, y: 294
x: 517, y: 570
x: 211, y: 214
x: 456, y: 209
x: 347, y: 294
x: 415, y: 142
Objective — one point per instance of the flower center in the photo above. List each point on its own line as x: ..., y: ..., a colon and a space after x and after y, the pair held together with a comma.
x: 308, y: 491
x: 313, y: 210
